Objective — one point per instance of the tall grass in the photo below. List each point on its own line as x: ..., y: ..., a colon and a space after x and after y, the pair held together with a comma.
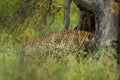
x: 53, y: 65
x: 14, y: 65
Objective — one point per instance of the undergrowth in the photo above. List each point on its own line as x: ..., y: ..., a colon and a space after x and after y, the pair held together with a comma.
x: 14, y: 65
x: 22, y: 22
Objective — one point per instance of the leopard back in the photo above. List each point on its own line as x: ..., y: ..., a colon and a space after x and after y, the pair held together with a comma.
x: 65, y: 40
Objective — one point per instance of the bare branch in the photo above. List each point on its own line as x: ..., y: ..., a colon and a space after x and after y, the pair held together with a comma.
x: 66, y: 14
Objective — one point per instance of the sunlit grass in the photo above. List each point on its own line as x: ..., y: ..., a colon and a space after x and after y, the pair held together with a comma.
x: 16, y: 66
x: 53, y: 65
x: 12, y: 67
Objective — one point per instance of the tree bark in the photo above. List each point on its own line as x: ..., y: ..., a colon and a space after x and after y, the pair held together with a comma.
x: 86, y: 21
x: 106, y: 14
x: 66, y: 14
x: 107, y: 23
x: 106, y: 20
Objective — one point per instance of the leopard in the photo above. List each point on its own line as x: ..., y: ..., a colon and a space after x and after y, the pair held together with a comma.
x: 67, y: 41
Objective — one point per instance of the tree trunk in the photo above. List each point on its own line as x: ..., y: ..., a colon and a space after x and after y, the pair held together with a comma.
x: 107, y: 22
x: 106, y: 14
x: 86, y: 21
x: 66, y: 14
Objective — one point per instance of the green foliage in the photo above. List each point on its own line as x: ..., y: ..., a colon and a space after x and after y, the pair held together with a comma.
x: 14, y: 67
x: 21, y: 22
x: 7, y: 8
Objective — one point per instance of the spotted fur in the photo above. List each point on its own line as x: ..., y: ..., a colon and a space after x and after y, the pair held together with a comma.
x: 65, y: 40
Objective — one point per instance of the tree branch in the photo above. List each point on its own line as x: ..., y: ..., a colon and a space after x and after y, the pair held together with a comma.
x: 66, y: 14
x: 89, y: 5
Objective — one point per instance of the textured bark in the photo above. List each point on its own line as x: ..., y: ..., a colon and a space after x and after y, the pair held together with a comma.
x: 106, y: 14
x: 89, y: 5
x: 66, y: 14
x: 86, y: 21
x: 106, y: 19
x: 107, y: 22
